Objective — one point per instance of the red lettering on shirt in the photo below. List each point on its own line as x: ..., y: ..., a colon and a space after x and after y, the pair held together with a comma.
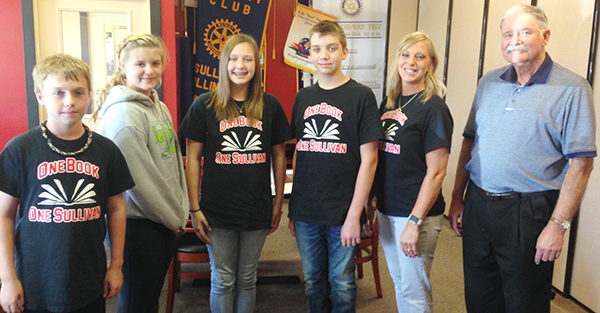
x: 395, y: 115
x: 323, y: 109
x: 241, y: 121
x: 69, y: 165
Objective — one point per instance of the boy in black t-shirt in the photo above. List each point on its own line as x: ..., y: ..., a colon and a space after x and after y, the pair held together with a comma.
x: 58, y: 182
x: 337, y: 126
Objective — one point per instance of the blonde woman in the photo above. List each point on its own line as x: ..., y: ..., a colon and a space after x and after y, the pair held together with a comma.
x: 411, y: 168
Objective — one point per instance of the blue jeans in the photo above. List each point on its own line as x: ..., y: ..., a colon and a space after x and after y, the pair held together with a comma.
x: 323, y: 256
x: 233, y: 260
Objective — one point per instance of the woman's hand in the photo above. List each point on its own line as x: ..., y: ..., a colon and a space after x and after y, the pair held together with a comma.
x: 409, y: 239
x: 199, y: 222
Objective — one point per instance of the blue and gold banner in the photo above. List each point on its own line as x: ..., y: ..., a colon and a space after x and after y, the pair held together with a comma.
x: 217, y: 20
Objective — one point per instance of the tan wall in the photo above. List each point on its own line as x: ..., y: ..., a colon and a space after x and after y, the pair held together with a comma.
x: 571, y: 26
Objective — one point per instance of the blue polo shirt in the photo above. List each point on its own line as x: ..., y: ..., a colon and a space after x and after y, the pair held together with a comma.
x: 523, y: 135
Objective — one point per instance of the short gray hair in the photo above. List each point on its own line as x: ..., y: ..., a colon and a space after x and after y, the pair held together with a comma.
x: 536, y: 11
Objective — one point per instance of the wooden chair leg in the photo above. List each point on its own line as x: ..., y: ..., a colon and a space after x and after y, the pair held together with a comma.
x: 359, y: 266
x: 177, y: 276
x: 375, y: 264
x: 170, y: 289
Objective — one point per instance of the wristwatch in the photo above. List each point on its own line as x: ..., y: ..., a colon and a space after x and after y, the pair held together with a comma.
x: 415, y: 219
x: 565, y: 224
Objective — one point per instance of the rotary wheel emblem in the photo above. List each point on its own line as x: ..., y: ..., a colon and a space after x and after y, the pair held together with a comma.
x: 216, y: 34
x: 351, y: 8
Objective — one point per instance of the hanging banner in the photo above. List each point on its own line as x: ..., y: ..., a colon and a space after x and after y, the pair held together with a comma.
x: 297, y: 47
x: 217, y: 21
x: 365, y: 23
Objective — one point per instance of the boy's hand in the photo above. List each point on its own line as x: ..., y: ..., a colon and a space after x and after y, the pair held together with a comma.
x: 350, y: 232
x: 11, y: 296
x: 113, y: 281
x: 291, y: 227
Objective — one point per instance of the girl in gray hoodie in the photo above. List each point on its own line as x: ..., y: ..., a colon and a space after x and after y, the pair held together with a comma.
x: 140, y: 124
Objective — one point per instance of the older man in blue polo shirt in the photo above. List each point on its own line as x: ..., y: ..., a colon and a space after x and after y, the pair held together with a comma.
x: 526, y: 157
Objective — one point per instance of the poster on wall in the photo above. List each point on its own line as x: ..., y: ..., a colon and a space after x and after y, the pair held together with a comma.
x: 297, y: 47
x: 216, y: 22
x: 365, y: 24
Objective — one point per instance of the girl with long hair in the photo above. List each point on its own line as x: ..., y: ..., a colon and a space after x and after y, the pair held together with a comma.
x: 140, y: 124
x: 242, y: 131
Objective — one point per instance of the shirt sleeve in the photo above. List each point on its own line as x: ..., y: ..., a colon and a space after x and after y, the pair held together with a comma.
x: 193, y: 125
x: 294, y: 117
x: 370, y: 127
x: 281, y: 128
x: 10, y: 171
x: 469, y: 131
x: 439, y: 127
x: 120, y: 176
x: 579, y: 124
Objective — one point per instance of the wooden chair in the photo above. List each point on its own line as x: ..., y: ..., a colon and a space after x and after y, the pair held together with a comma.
x: 190, y: 249
x: 369, y: 246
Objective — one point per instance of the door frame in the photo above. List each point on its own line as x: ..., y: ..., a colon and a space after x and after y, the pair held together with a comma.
x: 33, y: 114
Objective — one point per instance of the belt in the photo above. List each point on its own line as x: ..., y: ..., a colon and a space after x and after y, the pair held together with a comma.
x: 502, y: 195
x: 496, y: 195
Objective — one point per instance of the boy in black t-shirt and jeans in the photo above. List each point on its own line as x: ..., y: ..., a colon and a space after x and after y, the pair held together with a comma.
x: 336, y: 123
x: 60, y: 184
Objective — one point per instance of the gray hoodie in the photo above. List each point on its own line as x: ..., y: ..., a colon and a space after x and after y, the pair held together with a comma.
x: 143, y: 130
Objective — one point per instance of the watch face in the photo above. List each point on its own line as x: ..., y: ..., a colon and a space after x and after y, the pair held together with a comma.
x: 566, y: 224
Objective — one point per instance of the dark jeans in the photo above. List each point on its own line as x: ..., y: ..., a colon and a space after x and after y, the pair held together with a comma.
x: 149, y: 249
x: 499, y: 239
x: 96, y: 306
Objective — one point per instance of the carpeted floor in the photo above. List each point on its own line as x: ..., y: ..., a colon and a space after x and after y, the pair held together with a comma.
x: 277, y: 291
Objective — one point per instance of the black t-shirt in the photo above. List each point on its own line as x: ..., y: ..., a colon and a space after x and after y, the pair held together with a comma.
x: 409, y: 135
x: 330, y: 126
x: 60, y: 224
x: 236, y: 184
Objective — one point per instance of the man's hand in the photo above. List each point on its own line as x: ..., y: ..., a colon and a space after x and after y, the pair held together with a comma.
x: 113, y: 281
x: 455, y: 213
x: 350, y: 233
x: 11, y: 296
x: 199, y: 221
x: 549, y: 243
x: 409, y: 239
x: 276, y: 218
x: 291, y: 227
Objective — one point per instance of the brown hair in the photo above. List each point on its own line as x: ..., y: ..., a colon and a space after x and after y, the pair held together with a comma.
x: 329, y: 28
x: 225, y: 107
x: 63, y: 65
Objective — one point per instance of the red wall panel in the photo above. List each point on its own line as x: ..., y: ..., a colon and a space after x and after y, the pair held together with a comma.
x: 280, y: 77
x: 13, y: 101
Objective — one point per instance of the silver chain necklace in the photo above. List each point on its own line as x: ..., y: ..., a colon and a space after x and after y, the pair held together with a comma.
x: 411, y: 99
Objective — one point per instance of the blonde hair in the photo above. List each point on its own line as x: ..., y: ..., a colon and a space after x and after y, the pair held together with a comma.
x: 129, y: 44
x: 63, y: 65
x: 326, y: 27
x: 432, y: 84
x: 220, y: 98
